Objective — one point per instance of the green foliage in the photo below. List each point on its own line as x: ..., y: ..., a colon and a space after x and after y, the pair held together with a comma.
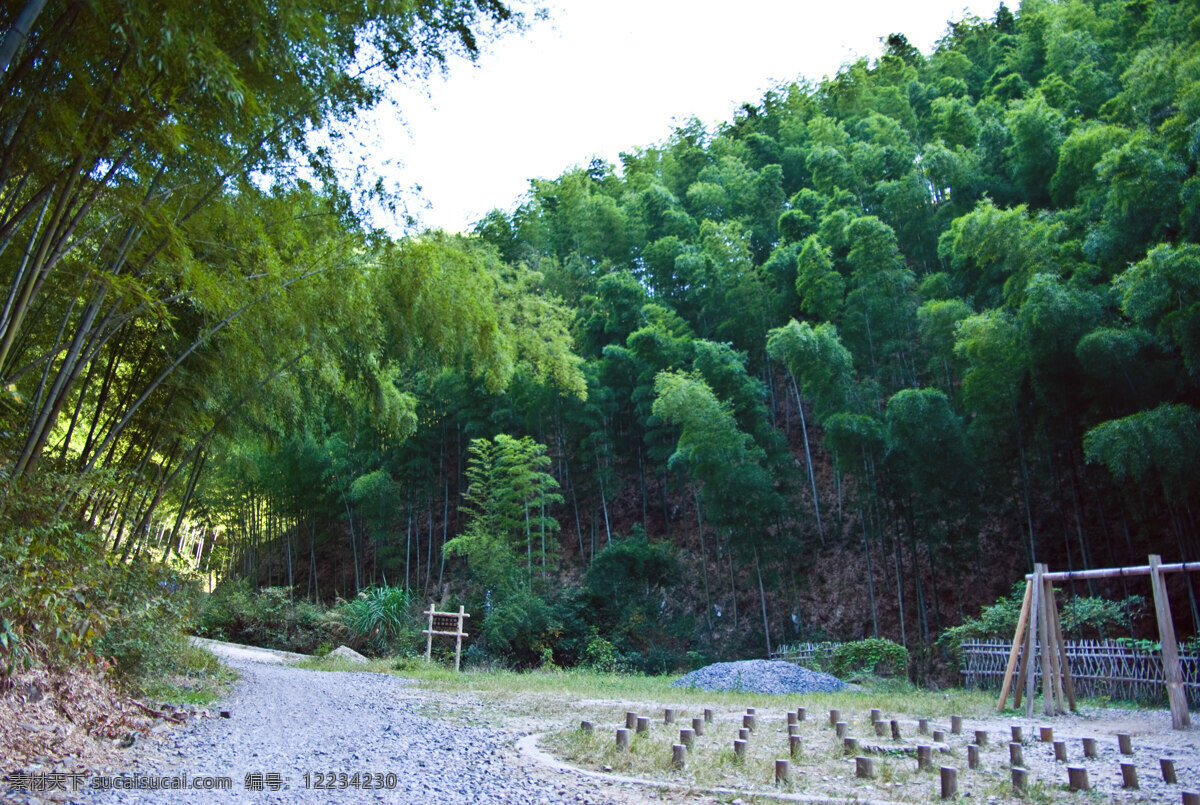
x: 874, y: 656
x: 978, y: 266
x: 625, y: 587
x: 1081, y: 616
x: 381, y: 619
x: 519, y: 628
x: 63, y: 601
x: 507, y: 495
x: 270, y: 618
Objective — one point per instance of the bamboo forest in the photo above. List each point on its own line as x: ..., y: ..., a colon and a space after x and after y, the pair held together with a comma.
x: 844, y: 366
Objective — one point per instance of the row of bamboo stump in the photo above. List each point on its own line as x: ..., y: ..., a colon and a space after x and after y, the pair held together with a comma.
x: 1077, y: 776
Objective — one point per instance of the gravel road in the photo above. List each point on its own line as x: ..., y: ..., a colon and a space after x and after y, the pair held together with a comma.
x: 299, y: 724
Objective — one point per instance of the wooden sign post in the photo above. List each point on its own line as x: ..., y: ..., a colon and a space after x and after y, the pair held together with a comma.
x: 440, y: 623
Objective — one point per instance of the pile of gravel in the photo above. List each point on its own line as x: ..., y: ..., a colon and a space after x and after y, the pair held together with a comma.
x: 760, y: 676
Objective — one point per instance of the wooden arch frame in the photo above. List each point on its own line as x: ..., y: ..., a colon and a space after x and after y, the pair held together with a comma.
x: 1040, y: 608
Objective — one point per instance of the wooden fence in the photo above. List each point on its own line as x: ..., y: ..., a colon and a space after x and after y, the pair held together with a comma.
x: 1098, y: 668
x: 810, y: 655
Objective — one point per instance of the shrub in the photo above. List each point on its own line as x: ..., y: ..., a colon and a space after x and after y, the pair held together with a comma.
x: 515, y: 628
x: 64, y: 601
x: 155, y: 607
x: 1081, y: 616
x: 875, y: 655
x: 269, y: 618
x: 380, y: 618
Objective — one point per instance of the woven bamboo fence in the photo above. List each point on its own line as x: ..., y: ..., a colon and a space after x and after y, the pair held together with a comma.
x: 1101, y: 668
x: 809, y: 655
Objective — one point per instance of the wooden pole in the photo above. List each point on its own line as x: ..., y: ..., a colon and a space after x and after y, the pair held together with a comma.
x: 1044, y: 643
x: 949, y: 782
x: 1172, y: 673
x: 429, y: 636
x: 1055, y: 700
x: 1027, y: 675
x: 458, y: 639
x: 1063, y: 663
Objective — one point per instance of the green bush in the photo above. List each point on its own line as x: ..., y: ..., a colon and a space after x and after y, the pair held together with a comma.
x: 155, y: 606
x: 1081, y: 616
x: 64, y: 600
x: 875, y: 655
x: 380, y: 618
x: 269, y: 618
x: 517, y: 629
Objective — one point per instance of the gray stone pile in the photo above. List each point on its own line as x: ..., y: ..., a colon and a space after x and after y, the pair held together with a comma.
x: 760, y: 676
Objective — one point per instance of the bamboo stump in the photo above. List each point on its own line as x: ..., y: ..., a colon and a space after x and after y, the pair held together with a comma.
x: 623, y: 740
x: 949, y: 782
x: 793, y: 729
x: 1129, y: 775
x: 1020, y: 782
x: 876, y: 715
x: 743, y: 734
x: 956, y: 725
x: 864, y: 768
x: 1191, y: 798
x: 1046, y: 734
x: 1090, y: 750
x: 895, y: 730
x: 708, y: 715
x: 1077, y: 779
x: 1017, y: 735
x: 698, y: 726
x: 972, y: 756
x: 801, y: 713
x: 881, y: 729
x: 748, y: 721
x: 840, y: 728
x: 643, y: 724
x: 794, y: 747
x: 939, y: 736
x: 586, y: 726
x: 783, y: 770
x: 1016, y: 755
x: 1125, y: 743
x: 669, y: 715
x: 678, y: 756
x: 850, y: 746
x: 981, y: 737
x: 1167, y: 765
x: 923, y: 726
x: 630, y: 720
x: 924, y: 757
x: 687, y: 737
x: 791, y: 719
x: 1060, y: 751
x: 739, y: 751
x: 834, y: 717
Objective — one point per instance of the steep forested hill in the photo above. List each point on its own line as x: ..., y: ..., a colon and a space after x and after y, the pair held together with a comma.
x: 846, y: 365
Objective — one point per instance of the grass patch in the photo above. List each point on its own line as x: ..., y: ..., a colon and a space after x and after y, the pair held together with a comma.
x: 197, y: 678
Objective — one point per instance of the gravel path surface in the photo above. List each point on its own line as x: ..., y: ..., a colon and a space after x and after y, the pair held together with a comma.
x: 292, y: 722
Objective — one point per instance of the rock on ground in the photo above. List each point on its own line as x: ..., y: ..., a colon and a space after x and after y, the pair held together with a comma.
x: 349, y: 654
x: 760, y: 676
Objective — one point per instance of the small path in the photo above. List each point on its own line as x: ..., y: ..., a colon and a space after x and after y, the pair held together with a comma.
x: 293, y: 722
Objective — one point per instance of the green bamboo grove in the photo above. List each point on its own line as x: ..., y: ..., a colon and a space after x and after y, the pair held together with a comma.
x: 846, y: 365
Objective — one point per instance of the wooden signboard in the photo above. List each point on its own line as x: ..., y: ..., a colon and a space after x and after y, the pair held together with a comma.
x: 448, y: 624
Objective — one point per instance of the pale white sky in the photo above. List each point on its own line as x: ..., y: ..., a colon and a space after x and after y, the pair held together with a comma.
x: 599, y: 78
